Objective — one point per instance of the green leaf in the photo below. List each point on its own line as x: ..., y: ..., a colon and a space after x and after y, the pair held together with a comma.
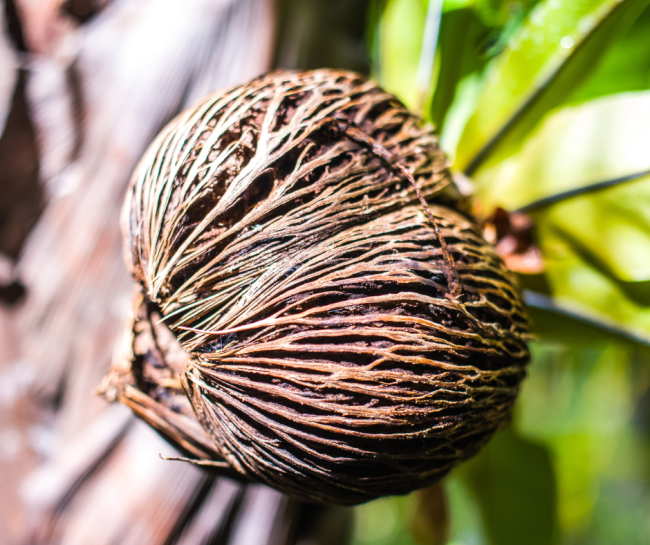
x: 611, y: 229
x: 462, y: 33
x: 451, y: 5
x: 552, y: 52
x: 400, y: 36
x: 514, y: 482
x: 580, y: 282
x: 577, y: 146
x: 569, y: 325
x: 499, y: 13
x: 574, y: 147
x: 469, y: 37
x: 625, y: 66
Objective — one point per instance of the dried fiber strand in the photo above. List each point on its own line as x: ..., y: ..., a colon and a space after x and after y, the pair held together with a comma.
x: 353, y: 132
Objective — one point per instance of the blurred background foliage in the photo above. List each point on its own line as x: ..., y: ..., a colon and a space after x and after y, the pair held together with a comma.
x: 545, y: 106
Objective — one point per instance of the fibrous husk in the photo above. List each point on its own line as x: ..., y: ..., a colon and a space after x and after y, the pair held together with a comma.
x: 339, y: 344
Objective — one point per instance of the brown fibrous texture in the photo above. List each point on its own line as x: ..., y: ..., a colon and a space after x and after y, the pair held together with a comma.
x: 336, y: 343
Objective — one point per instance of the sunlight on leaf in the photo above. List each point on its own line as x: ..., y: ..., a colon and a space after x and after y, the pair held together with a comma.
x: 553, y: 51
x: 575, y: 146
x: 461, y: 35
x: 401, y: 31
x: 576, y: 280
x: 624, y: 67
x: 610, y: 228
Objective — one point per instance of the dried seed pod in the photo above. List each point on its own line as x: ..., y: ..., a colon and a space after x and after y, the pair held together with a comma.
x: 337, y: 337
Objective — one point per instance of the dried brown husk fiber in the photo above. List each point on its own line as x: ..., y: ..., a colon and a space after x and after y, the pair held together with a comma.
x: 324, y: 348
